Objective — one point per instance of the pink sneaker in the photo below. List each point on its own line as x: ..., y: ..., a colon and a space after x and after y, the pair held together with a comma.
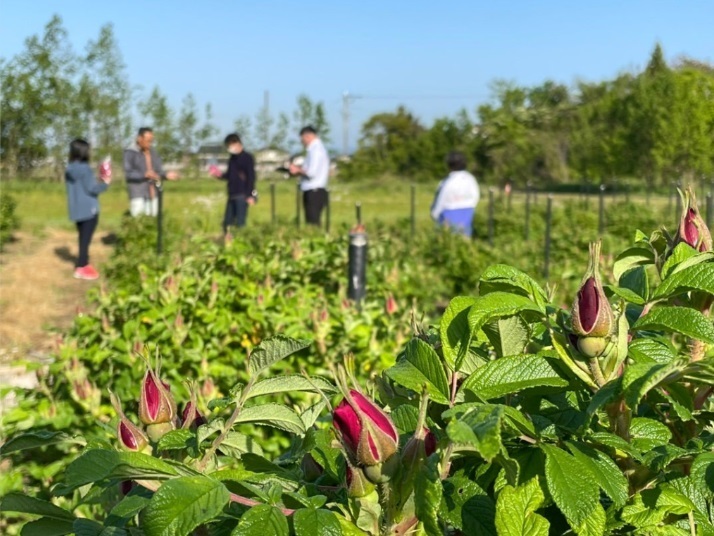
x: 86, y: 272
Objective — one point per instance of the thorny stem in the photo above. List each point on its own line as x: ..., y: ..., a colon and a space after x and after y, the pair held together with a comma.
x: 154, y: 485
x: 454, y: 386
x: 227, y: 428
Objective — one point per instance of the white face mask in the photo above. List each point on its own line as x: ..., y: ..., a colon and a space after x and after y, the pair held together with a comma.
x: 234, y: 149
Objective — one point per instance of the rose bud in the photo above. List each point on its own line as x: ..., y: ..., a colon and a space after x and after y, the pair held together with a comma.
x: 191, y: 417
x: 593, y: 319
x: 156, y: 405
x: 390, y: 306
x: 125, y: 487
x: 368, y: 435
x: 357, y: 483
x: 130, y: 436
x: 692, y: 228
x: 311, y: 470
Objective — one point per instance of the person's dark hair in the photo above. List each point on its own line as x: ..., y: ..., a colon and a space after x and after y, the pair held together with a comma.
x: 231, y: 139
x: 144, y: 130
x: 456, y: 161
x: 309, y: 129
x: 79, y: 150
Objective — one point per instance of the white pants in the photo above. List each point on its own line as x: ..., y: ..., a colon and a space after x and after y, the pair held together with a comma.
x: 142, y: 206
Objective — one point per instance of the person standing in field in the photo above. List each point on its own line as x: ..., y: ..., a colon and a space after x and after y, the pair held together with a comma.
x: 240, y: 177
x: 144, y: 171
x: 456, y: 197
x: 83, y: 190
x: 313, y: 174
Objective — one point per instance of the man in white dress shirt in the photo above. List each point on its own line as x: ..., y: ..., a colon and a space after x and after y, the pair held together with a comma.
x: 313, y: 173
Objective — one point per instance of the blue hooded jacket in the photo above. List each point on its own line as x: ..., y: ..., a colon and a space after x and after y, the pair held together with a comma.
x: 82, y: 191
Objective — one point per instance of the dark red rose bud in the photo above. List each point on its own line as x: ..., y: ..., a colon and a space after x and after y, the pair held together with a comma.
x: 156, y: 404
x: 368, y: 435
x: 191, y: 417
x: 125, y: 486
x: 592, y: 314
x: 130, y: 436
x: 390, y: 306
x: 692, y: 228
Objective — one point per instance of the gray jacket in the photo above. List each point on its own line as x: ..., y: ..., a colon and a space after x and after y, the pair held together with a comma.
x: 135, y: 170
x: 82, y: 191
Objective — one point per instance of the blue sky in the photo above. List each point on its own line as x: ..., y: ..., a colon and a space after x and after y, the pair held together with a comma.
x: 434, y: 57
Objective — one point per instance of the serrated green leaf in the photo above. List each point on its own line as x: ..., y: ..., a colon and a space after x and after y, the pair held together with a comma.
x: 312, y: 522
x: 477, y: 425
x: 420, y: 366
x: 15, y: 502
x: 99, y: 464
x: 205, y: 431
x: 272, y: 350
x: 698, y: 277
x: 310, y: 415
x: 275, y: 415
x: 513, y: 374
x: 650, y: 350
x: 467, y: 507
x: 631, y: 258
x: 240, y: 443
x: 175, y: 439
x: 48, y: 527
x: 702, y: 474
x: 637, y: 282
x: 673, y: 501
x: 681, y: 253
x: 508, y: 335
x: 574, y: 490
x: 34, y: 440
x: 505, y: 278
x: 262, y: 520
x: 516, y: 511
x: 646, y: 434
x: 640, y: 378
x: 405, y: 418
x: 678, y: 319
x: 87, y: 527
x: 454, y: 329
x: 427, y: 495
x: 182, y: 504
x: 291, y: 383
x: 608, y: 476
x: 130, y: 505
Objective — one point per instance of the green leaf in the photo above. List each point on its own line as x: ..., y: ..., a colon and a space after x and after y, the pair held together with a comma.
x: 673, y: 501
x: 516, y: 511
x: 496, y: 305
x: 176, y: 439
x: 420, y: 366
x: 631, y: 258
x: 680, y: 320
x: 428, y: 491
x: 467, y: 507
x: 240, y: 443
x: 702, y: 474
x: 646, y: 434
x: 34, y: 440
x: 275, y: 415
x: 698, y: 277
x: 650, y: 350
x: 508, y: 335
x: 48, y: 527
x: 562, y: 349
x: 607, y: 474
x: 262, y: 520
x: 99, y: 464
x: 477, y: 425
x: 87, y: 527
x: 291, y: 383
x: 513, y: 374
x: 313, y: 522
x: 636, y: 281
x: 310, y: 415
x: 574, y: 490
x: 640, y: 378
x: 15, y: 502
x: 454, y: 329
x: 505, y: 278
x: 182, y: 504
x: 405, y: 418
x: 272, y: 350
x: 130, y: 505
x: 681, y: 253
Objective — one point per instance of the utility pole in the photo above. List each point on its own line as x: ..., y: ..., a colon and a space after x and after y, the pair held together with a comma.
x: 346, y: 98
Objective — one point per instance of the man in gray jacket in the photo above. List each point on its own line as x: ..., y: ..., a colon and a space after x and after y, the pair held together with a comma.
x: 144, y: 169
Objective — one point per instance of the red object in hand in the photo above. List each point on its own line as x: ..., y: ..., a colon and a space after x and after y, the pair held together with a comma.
x: 105, y: 169
x: 213, y: 170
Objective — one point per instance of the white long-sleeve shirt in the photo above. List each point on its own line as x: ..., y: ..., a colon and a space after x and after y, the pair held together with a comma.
x: 457, y: 191
x: 316, y: 166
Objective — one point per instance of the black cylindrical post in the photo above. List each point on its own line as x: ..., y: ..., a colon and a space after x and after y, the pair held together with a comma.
x: 159, y: 219
x: 357, y: 265
x: 548, y: 220
x: 710, y: 209
x: 490, y: 216
x: 413, y: 209
x: 297, y: 206
x: 601, y: 211
x: 358, y: 212
x: 327, y: 213
x: 528, y: 211
x: 272, y: 203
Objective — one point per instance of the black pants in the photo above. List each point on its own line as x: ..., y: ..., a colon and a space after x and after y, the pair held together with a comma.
x: 236, y: 212
x: 314, y: 201
x: 85, y: 229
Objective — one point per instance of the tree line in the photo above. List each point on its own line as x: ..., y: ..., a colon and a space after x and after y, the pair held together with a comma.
x: 654, y: 126
x: 52, y: 93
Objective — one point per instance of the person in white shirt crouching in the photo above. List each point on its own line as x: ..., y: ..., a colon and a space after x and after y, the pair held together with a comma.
x: 456, y: 197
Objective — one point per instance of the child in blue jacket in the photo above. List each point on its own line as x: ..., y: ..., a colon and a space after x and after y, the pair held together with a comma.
x: 82, y: 192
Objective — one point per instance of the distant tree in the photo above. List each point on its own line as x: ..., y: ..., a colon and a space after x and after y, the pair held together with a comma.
x: 308, y: 112
x: 157, y: 113
x: 187, y: 125
x: 243, y: 126
x: 263, y: 127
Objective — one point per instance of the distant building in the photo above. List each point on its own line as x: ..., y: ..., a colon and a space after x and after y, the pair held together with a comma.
x: 212, y: 154
x: 267, y: 161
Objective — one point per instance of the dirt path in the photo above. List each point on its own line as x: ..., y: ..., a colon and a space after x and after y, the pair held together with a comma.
x: 37, y: 291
